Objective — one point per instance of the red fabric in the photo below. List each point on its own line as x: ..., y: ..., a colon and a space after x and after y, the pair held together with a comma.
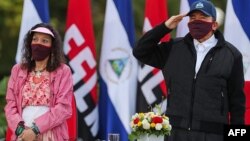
x: 247, y: 93
x: 247, y: 116
x: 156, y: 13
x: 72, y: 122
x: 8, y: 134
x: 79, y: 47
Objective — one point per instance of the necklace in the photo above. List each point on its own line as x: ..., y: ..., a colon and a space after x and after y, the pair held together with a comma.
x: 38, y: 73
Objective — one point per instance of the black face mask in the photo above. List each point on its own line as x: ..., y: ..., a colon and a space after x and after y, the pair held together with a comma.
x: 40, y: 52
x: 199, y: 29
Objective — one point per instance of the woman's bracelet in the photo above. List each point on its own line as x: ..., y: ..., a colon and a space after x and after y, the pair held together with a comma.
x: 35, y: 129
x: 20, y: 128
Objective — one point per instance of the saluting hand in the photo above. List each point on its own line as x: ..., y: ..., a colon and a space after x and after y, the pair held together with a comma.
x: 173, y: 21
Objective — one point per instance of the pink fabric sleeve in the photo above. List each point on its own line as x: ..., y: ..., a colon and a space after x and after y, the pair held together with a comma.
x: 11, y: 109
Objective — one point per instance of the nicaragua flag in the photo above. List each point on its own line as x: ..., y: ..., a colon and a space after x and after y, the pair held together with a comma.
x: 237, y: 32
x: 151, y: 88
x: 118, y: 70
x: 34, y: 12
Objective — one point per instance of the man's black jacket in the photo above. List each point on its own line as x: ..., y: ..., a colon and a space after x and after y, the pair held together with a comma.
x: 199, y: 101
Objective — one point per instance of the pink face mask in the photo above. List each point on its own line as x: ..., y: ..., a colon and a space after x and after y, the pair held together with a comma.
x: 40, y: 52
x: 199, y: 29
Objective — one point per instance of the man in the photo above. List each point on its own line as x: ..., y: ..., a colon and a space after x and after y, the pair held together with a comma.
x: 203, y: 72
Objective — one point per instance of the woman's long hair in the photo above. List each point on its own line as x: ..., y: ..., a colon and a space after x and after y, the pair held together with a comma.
x: 56, y: 57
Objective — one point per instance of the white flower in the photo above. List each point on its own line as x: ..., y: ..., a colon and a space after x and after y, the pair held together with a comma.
x: 165, y: 122
x: 145, y: 124
x: 169, y: 127
x: 158, y: 126
x: 149, y: 114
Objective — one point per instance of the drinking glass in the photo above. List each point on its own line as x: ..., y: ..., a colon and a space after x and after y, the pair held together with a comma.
x: 113, y: 137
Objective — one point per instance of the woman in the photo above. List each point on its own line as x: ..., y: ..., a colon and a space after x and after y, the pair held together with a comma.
x: 40, y: 89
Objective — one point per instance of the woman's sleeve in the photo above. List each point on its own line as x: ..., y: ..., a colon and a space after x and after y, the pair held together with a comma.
x: 13, y: 117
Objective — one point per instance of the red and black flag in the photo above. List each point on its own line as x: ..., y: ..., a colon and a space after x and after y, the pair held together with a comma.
x: 151, y: 86
x: 79, y: 48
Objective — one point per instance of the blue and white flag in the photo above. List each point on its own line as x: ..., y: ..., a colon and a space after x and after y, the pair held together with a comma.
x: 237, y: 29
x: 182, y: 28
x: 34, y: 12
x: 237, y: 32
x: 118, y: 70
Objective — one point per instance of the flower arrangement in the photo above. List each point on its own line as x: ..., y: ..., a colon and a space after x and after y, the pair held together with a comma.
x: 151, y: 123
